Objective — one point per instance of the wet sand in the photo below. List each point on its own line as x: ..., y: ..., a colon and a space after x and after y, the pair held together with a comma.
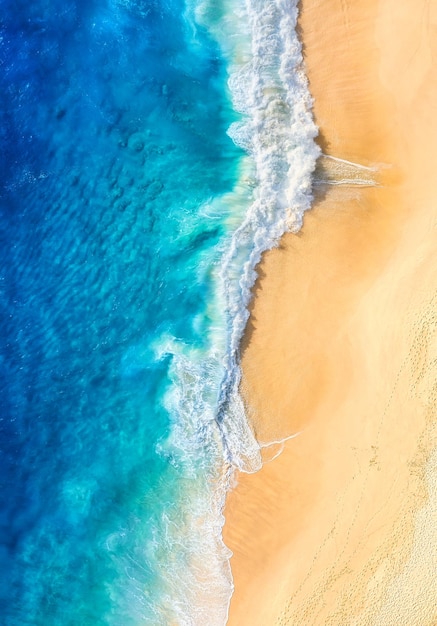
x: 341, y: 346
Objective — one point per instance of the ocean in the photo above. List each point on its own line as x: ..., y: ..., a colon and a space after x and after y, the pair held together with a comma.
x: 151, y: 151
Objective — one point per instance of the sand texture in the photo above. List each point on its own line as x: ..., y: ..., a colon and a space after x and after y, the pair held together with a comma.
x: 341, y: 347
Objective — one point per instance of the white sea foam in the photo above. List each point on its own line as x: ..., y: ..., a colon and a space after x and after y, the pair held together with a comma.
x: 269, y: 88
x: 209, y: 426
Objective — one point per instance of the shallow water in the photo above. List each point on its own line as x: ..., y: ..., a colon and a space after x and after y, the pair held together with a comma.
x: 130, y: 227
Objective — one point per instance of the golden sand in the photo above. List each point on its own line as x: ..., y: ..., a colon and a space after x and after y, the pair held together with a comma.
x: 341, y: 347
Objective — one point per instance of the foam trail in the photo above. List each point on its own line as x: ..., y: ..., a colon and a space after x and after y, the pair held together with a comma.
x: 351, y: 163
x: 335, y: 171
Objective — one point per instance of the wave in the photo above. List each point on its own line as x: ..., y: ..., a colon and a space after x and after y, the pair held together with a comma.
x: 270, y: 90
x: 210, y: 435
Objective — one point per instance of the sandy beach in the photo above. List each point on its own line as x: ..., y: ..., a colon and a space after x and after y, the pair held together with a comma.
x: 341, y: 346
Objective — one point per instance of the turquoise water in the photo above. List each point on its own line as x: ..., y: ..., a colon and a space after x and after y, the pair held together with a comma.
x: 137, y: 194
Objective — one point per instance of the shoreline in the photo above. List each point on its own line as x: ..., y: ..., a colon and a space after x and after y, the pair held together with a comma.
x: 341, y: 344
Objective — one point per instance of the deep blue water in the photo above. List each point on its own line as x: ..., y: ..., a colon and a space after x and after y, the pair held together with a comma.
x: 113, y: 130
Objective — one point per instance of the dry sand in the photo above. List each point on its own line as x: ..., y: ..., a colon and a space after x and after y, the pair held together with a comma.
x: 341, y: 346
